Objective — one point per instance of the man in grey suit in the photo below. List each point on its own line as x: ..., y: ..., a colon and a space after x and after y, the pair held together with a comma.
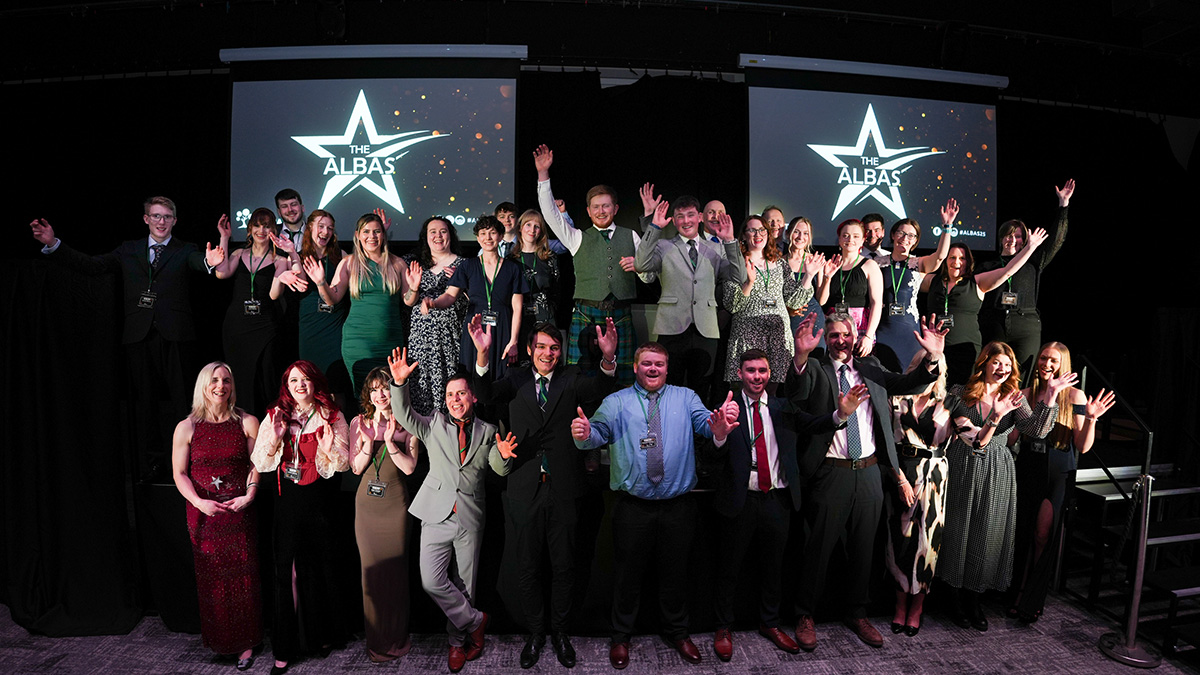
x: 450, y: 503
x: 689, y: 268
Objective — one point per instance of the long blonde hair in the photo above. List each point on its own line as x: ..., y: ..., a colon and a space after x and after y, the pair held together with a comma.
x: 1066, y: 414
x: 974, y: 389
x: 200, y: 412
x: 358, y: 262
x: 542, y: 245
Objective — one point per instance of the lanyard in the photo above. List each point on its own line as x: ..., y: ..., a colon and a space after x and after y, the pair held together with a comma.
x: 488, y: 283
x: 896, y: 284
x: 803, y: 257
x: 296, y: 438
x: 377, y: 458
x: 750, y: 420
x: 644, y: 410
x: 254, y: 270
x: 766, y: 272
x: 842, y: 278
x: 946, y: 298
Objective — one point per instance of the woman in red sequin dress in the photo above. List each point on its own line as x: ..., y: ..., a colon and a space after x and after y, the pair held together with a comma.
x: 212, y: 469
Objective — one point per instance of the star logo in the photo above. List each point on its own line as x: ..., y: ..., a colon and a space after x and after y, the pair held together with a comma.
x: 216, y: 482
x: 869, y: 175
x: 377, y: 157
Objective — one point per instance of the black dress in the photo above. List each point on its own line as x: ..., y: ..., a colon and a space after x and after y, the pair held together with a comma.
x: 488, y: 295
x: 963, y: 341
x: 853, y: 289
x: 250, y: 337
x: 541, y: 296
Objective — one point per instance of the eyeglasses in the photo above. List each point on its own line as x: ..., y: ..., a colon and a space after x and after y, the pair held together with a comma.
x: 906, y: 236
x: 755, y: 231
x: 161, y: 217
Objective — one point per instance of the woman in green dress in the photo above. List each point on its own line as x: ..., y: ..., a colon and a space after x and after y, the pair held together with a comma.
x: 320, y: 322
x: 375, y: 279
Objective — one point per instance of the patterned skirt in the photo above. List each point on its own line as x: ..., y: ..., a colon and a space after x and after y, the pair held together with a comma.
x: 915, y: 534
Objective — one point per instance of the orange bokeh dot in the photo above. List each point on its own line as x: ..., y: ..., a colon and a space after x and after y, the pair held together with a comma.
x: 497, y: 126
x: 478, y: 135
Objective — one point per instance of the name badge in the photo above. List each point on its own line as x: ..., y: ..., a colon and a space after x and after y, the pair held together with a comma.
x: 324, y: 308
x: 769, y: 303
x: 490, y: 317
x: 376, y: 489
x: 1038, y: 445
x: 292, y: 472
x: 146, y: 300
x: 1008, y: 299
x: 841, y: 311
x: 895, y: 309
x: 947, y: 320
x: 251, y: 308
x: 649, y: 441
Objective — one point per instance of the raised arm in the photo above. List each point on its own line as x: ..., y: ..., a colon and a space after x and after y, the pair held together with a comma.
x: 991, y: 280
x: 648, y: 259
x: 1060, y: 226
x: 1085, y: 424
x: 930, y: 263
x: 543, y: 158
x: 402, y: 408
x: 229, y: 265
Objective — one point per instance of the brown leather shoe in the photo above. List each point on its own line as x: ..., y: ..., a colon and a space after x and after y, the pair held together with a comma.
x: 618, y: 655
x: 458, y: 658
x: 474, y: 646
x: 779, y: 638
x: 806, y: 633
x: 723, y: 644
x: 687, y: 649
x: 865, y: 631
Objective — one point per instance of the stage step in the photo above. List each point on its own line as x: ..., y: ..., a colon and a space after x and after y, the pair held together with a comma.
x: 1179, y: 583
x: 1165, y: 532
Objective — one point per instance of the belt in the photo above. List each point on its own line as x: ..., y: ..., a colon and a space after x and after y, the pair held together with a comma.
x: 913, y: 452
x: 853, y: 464
x: 607, y: 305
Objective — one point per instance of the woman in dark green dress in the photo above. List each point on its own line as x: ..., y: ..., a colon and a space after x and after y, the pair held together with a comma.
x: 320, y: 322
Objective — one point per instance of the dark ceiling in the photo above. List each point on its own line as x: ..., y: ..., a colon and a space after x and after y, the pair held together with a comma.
x: 1131, y: 54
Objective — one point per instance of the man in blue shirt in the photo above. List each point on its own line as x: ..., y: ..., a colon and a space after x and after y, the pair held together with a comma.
x: 649, y: 428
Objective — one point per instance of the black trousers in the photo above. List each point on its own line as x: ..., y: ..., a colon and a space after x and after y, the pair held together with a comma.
x: 691, y: 358
x: 545, y: 525
x: 1022, y: 332
x: 761, y: 526
x: 844, y: 504
x: 651, y: 535
x: 162, y: 374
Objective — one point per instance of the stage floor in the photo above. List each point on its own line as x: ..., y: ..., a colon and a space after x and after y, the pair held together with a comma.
x: 1063, y: 641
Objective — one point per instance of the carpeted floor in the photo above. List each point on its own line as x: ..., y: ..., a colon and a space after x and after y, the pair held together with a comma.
x: 1063, y: 641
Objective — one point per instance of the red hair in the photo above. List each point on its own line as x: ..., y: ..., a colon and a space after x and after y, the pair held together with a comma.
x: 287, y: 405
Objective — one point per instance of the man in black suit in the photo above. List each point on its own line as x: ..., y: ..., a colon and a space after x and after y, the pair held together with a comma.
x: 754, y: 498
x: 546, y: 481
x: 840, y: 471
x: 159, y: 330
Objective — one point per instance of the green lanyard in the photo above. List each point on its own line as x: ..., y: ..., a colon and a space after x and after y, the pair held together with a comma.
x: 254, y: 271
x: 750, y: 419
x: 896, y: 284
x: 377, y: 458
x: 803, y: 257
x: 296, y: 438
x: 946, y: 298
x: 766, y: 272
x: 842, y: 278
x: 488, y: 283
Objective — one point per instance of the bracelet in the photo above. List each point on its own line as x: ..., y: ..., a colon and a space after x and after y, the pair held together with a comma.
x: 250, y: 485
x: 611, y: 362
x: 1090, y: 418
x: 394, y: 453
x: 991, y: 422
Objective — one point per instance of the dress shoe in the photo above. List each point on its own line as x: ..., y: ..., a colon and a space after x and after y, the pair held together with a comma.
x: 563, y: 649
x: 979, y: 623
x: 723, y: 644
x: 474, y: 648
x: 687, y: 649
x: 244, y: 664
x: 865, y: 631
x: 779, y: 638
x: 618, y: 655
x: 532, y: 650
x: 458, y: 658
x: 806, y: 633
x: 278, y: 669
x: 897, y: 627
x: 911, y: 631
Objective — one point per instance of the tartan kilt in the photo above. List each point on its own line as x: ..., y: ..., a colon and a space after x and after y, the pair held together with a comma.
x: 588, y: 317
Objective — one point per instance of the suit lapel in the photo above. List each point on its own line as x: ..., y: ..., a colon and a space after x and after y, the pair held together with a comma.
x: 558, y: 384
x: 475, y: 443
x: 682, y: 247
x: 833, y: 377
x: 172, y: 248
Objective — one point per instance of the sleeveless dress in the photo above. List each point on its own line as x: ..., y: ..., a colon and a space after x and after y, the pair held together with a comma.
x: 895, y: 344
x: 321, y: 331
x: 482, y: 296
x: 434, y: 342
x: 1045, y: 472
x: 380, y: 525
x: 224, y: 545
x: 251, y: 341
x: 813, y: 307
x: 373, y: 327
x: 853, y: 289
x: 964, y: 340
x: 541, y: 295
x: 915, y: 532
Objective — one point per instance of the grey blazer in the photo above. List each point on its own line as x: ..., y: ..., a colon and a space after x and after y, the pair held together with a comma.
x: 688, y: 296
x: 450, y: 482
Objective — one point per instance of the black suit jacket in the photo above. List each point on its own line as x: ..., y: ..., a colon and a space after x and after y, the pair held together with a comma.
x: 172, y: 312
x: 816, y: 392
x: 545, y: 433
x: 788, y: 424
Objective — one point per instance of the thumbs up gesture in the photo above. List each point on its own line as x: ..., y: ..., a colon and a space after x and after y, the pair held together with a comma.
x: 724, y: 419
x: 581, y: 428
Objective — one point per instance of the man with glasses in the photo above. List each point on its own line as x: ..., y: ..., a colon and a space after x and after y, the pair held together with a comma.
x: 159, y: 329
x: 689, y: 268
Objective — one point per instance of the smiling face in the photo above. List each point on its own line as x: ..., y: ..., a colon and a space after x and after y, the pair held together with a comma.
x: 508, y: 219
x: 546, y: 352
x: 323, y: 232
x: 300, y: 386
x: 839, y: 340
x: 1013, y: 241
x: 904, y: 239
x: 774, y: 222
x: 602, y: 209
x: 460, y: 402
x: 1049, y: 363
x: 686, y: 221
x: 755, y: 235
x: 219, y: 388
x: 754, y: 374
x: 997, y: 370
x: 488, y: 239
x: 850, y: 240
x: 437, y: 235
x: 292, y: 212
x: 650, y: 368
x: 531, y: 231
x: 160, y: 220
x: 371, y: 236
x: 956, y: 262
x: 801, y: 237
x: 381, y: 397
x: 873, y: 236
x: 260, y: 232
x: 712, y: 214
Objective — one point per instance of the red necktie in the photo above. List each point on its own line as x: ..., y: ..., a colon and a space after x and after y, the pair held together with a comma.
x: 760, y: 451
x: 462, y: 441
